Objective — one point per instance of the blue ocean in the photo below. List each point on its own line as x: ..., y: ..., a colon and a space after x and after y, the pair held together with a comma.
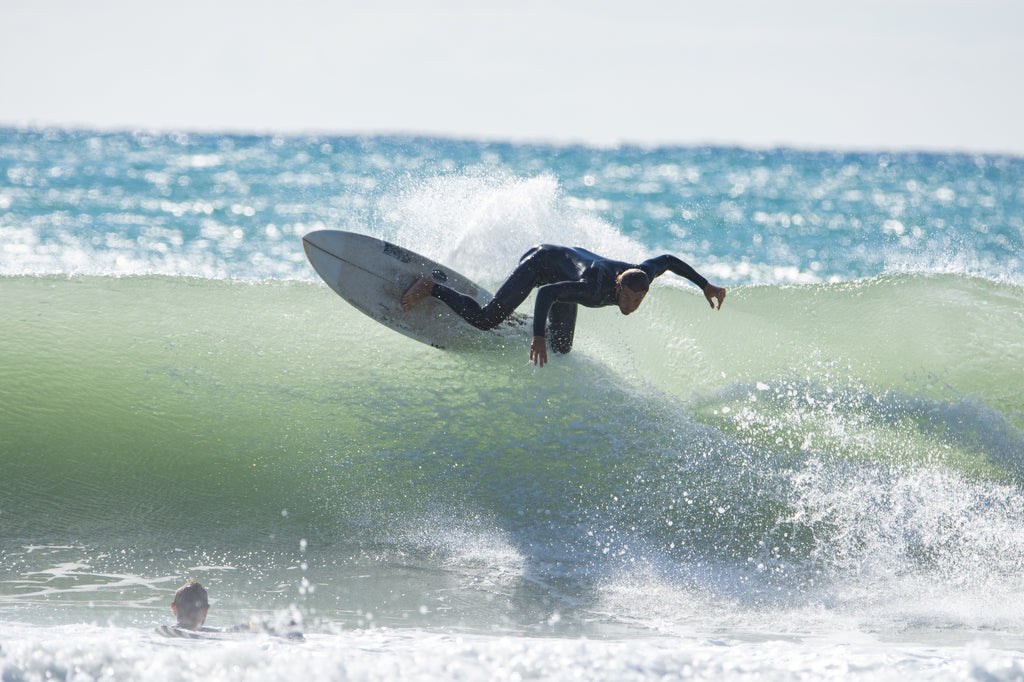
x: 822, y: 480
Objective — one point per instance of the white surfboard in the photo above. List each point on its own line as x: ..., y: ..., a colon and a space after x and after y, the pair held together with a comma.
x: 372, y: 275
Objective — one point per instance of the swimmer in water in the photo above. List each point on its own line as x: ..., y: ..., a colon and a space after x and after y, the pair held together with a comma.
x: 190, y: 606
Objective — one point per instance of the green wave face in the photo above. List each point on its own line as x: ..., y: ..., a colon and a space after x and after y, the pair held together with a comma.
x: 798, y: 436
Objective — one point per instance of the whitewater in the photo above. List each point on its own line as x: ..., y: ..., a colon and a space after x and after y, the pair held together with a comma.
x: 822, y: 480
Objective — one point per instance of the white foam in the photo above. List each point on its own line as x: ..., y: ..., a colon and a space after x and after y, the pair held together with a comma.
x: 84, y: 653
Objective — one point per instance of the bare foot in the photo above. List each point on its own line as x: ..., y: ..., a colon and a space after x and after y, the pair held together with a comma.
x: 419, y: 290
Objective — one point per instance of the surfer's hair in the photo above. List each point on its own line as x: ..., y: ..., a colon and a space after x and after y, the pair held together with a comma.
x: 191, y: 603
x: 635, y: 279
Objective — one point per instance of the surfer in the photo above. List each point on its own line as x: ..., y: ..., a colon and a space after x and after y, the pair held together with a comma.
x: 565, y: 277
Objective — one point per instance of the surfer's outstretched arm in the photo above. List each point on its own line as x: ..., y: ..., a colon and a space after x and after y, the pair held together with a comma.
x: 655, y: 267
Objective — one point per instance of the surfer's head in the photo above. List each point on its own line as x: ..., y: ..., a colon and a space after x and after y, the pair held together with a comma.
x: 190, y: 605
x: 630, y: 288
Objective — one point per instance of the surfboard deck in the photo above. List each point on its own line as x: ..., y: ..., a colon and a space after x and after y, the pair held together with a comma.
x: 372, y: 274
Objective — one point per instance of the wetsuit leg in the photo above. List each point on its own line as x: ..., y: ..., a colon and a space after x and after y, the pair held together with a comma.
x: 513, y: 292
x: 561, y: 326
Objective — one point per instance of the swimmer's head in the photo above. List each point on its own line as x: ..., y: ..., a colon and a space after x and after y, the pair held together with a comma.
x: 190, y: 605
x: 630, y: 288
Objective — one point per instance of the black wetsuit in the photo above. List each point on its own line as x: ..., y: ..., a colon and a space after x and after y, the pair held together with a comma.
x: 566, y: 277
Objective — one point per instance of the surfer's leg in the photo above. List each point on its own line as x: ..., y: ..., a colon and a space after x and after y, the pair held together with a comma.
x: 465, y: 306
x: 513, y: 292
x: 561, y: 326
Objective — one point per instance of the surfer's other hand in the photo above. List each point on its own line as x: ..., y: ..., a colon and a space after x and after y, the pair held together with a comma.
x: 539, y: 351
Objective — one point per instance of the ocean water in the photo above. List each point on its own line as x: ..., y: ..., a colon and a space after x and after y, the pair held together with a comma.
x: 822, y: 480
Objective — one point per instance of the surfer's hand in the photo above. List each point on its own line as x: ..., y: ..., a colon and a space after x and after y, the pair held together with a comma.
x: 539, y: 351
x: 713, y: 293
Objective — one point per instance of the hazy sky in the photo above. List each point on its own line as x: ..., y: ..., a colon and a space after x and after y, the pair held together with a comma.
x: 933, y: 74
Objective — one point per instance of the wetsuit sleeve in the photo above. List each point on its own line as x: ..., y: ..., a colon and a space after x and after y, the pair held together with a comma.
x: 566, y: 292
x: 655, y: 267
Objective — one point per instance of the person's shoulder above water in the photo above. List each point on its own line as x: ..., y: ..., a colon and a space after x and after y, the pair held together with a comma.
x: 293, y: 632
x: 187, y: 633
